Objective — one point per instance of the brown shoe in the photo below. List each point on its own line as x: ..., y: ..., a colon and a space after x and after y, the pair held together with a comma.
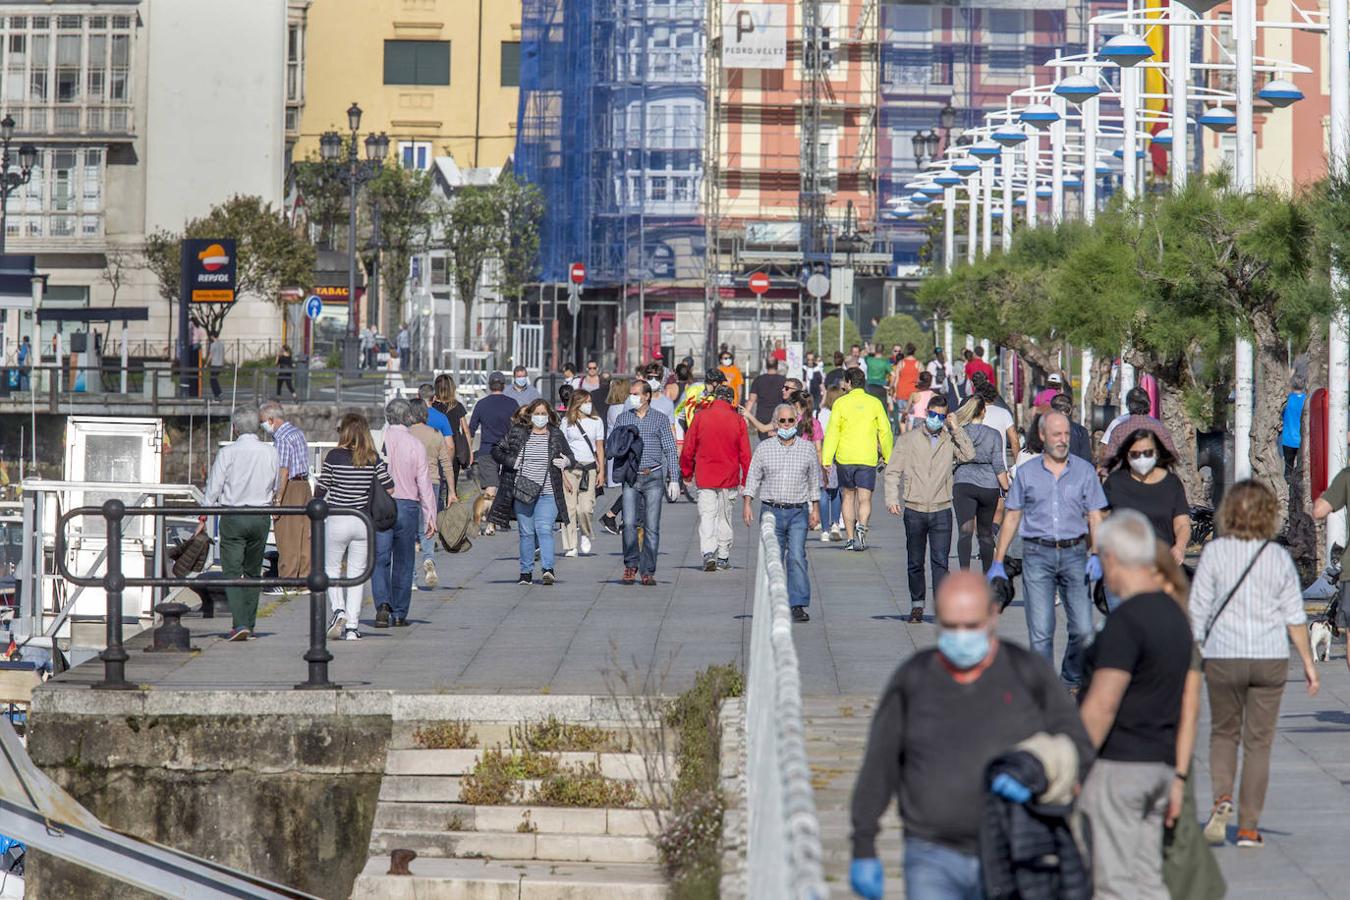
x: 649, y: 581
x: 629, y: 576
x: 916, y: 615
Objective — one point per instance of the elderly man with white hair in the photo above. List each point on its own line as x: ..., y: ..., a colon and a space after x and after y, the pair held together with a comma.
x: 1141, y: 670
x: 396, y: 549
x: 1056, y: 501
x: 243, y: 474
x: 785, y: 475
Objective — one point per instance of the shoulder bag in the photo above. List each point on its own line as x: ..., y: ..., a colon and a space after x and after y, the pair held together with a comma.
x: 381, y: 506
x: 1209, y: 626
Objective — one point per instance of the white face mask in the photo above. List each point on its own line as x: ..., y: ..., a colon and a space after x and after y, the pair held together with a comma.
x: 634, y: 401
x: 1143, y: 465
x: 539, y: 420
x: 586, y: 408
x: 654, y: 384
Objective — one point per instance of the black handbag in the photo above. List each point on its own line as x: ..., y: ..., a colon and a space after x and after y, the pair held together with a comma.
x: 381, y: 506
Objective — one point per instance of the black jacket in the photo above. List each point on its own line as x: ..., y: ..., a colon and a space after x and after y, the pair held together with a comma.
x: 623, y: 447
x: 506, y: 453
x: 1028, y: 850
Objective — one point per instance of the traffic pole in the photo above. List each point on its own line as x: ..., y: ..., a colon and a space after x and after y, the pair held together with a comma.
x: 1338, y: 369
x: 1244, y: 20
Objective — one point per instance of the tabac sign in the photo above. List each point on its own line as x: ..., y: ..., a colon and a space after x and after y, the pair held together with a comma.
x: 754, y: 36
x: 208, y: 270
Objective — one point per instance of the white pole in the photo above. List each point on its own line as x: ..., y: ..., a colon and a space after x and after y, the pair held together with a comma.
x: 1057, y: 133
x: 1129, y: 108
x: 987, y: 208
x: 1338, y: 20
x: 1084, y: 382
x: 972, y: 236
x: 947, y: 341
x: 1179, y: 70
x: 1032, y: 152
x: 125, y: 332
x: 1090, y: 160
x: 1006, y: 160
x: 949, y: 228
x: 1244, y: 18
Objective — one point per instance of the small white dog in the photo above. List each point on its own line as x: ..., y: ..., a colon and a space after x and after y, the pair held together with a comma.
x: 1319, y: 635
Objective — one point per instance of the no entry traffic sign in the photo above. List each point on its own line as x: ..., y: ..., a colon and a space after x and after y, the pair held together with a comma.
x: 577, y: 272
x: 759, y: 283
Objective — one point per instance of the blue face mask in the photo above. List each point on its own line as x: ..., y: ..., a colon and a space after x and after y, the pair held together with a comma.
x: 787, y: 434
x: 935, y: 423
x: 963, y: 648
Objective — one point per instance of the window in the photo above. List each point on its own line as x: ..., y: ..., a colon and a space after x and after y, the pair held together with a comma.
x: 1007, y: 36
x: 415, y: 155
x: 417, y: 62
x: 294, y: 80
x: 510, y: 63
x: 63, y: 198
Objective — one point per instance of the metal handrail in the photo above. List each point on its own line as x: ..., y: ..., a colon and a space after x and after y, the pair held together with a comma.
x: 114, y: 582
x: 784, y: 854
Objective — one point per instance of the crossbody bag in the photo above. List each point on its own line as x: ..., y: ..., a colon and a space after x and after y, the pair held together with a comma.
x: 1209, y: 626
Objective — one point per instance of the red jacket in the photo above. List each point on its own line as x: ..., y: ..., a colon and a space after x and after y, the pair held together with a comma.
x: 716, y: 450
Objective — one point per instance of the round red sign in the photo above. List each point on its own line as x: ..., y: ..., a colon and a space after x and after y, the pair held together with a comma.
x: 759, y: 282
x: 578, y: 273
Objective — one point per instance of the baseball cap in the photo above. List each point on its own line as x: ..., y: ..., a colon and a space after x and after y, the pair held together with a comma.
x: 497, y: 379
x: 657, y: 355
x: 1054, y: 378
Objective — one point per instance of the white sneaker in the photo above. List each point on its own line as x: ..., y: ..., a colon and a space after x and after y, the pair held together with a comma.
x: 429, y: 576
x: 824, y: 537
x: 572, y: 554
x: 336, y: 624
x: 351, y: 634
x: 585, y: 546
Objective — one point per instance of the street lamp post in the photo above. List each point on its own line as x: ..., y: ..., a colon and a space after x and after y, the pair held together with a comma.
x: 1338, y: 370
x: 12, y: 181
x: 353, y: 174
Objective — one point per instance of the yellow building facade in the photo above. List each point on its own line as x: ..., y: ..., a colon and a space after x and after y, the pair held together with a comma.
x: 439, y: 77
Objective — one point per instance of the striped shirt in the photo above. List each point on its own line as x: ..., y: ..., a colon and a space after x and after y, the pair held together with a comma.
x: 292, y: 450
x: 658, y: 443
x: 1255, y: 624
x: 344, y: 484
x: 534, y: 462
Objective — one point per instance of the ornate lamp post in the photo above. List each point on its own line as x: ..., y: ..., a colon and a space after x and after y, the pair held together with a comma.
x: 12, y: 181
x: 353, y: 172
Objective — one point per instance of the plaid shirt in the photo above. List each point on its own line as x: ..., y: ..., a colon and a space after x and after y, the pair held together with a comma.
x: 658, y: 443
x: 784, y: 473
x: 292, y: 450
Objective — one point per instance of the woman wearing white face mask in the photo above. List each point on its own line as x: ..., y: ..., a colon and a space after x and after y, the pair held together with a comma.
x: 1141, y: 479
x: 533, y: 456
x: 585, y: 435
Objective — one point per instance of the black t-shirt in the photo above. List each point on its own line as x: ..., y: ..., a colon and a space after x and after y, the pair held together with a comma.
x: 1150, y: 637
x: 835, y: 377
x: 768, y: 391
x: 1160, y: 502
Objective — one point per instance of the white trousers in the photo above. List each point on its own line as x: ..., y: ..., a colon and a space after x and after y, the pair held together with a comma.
x: 346, y: 536
x: 714, y: 520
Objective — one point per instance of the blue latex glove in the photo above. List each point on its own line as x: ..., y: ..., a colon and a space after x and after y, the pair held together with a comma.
x: 1093, y: 569
x: 1010, y: 789
x: 997, y: 571
x: 867, y: 878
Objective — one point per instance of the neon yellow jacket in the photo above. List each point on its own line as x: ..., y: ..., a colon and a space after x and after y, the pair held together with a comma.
x: 858, y: 427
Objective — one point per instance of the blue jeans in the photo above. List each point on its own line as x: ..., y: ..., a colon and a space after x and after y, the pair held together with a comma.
x: 395, y: 553
x: 1045, y: 569
x: 536, y: 529
x: 791, y: 525
x: 428, y: 544
x: 935, y: 872
x: 931, y: 533
x: 831, y: 506
x: 642, y: 505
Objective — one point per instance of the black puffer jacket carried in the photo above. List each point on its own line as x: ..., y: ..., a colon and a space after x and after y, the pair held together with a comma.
x: 507, y: 453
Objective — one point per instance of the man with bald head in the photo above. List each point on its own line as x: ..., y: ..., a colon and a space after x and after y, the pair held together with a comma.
x: 1056, y: 501
x: 946, y: 714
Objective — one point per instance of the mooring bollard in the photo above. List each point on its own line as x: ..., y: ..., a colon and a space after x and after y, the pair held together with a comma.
x: 171, y: 636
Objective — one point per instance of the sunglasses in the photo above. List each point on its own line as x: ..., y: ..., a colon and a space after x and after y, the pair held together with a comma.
x: 1143, y: 454
x: 937, y: 415
x: 787, y: 421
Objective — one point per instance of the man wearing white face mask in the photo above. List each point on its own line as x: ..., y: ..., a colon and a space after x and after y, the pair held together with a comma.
x: 785, y: 473
x: 947, y: 713
x: 924, y: 459
x: 658, y: 477
x: 520, y: 390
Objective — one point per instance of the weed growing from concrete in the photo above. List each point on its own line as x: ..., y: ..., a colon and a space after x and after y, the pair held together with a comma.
x: 526, y: 826
x: 554, y: 736
x: 453, y: 735
x: 495, y: 779
x: 583, y: 785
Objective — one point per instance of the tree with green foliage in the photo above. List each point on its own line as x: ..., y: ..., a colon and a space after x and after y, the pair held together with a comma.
x: 826, y: 336
x: 269, y: 255
x: 323, y: 197
x: 901, y: 329
x: 406, y: 215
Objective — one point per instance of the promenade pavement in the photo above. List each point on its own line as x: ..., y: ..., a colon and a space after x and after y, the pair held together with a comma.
x: 480, y: 633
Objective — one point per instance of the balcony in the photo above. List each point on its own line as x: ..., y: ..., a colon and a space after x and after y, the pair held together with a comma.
x: 106, y: 121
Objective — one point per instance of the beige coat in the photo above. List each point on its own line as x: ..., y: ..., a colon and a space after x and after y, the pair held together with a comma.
x: 438, y: 454
x: 926, y: 466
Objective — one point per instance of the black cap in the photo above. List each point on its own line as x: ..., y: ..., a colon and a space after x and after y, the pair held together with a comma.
x: 496, y: 380
x: 714, y: 376
x: 724, y: 392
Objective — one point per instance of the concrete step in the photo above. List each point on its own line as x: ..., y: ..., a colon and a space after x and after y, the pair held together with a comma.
x: 472, y: 879
x: 398, y: 815
x: 493, y: 734
x: 628, y: 766
x: 516, y: 845
x: 446, y: 788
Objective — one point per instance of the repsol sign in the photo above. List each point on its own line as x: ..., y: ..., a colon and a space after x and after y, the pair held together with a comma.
x: 208, y: 270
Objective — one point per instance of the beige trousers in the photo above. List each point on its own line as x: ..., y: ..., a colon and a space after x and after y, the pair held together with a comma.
x: 714, y: 520
x: 293, y: 532
x: 580, y: 507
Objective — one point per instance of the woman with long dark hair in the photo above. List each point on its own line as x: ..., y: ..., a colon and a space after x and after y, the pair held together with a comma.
x: 976, y: 484
x: 1141, y: 478
x: 447, y: 401
x: 533, y: 457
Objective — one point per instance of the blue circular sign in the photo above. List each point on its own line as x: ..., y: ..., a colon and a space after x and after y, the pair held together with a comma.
x: 314, y: 306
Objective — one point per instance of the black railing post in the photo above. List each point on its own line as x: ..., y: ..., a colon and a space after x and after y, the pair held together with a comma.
x: 317, y: 656
x: 114, y: 582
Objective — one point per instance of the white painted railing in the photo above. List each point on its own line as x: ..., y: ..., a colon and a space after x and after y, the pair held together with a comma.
x: 784, y: 853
